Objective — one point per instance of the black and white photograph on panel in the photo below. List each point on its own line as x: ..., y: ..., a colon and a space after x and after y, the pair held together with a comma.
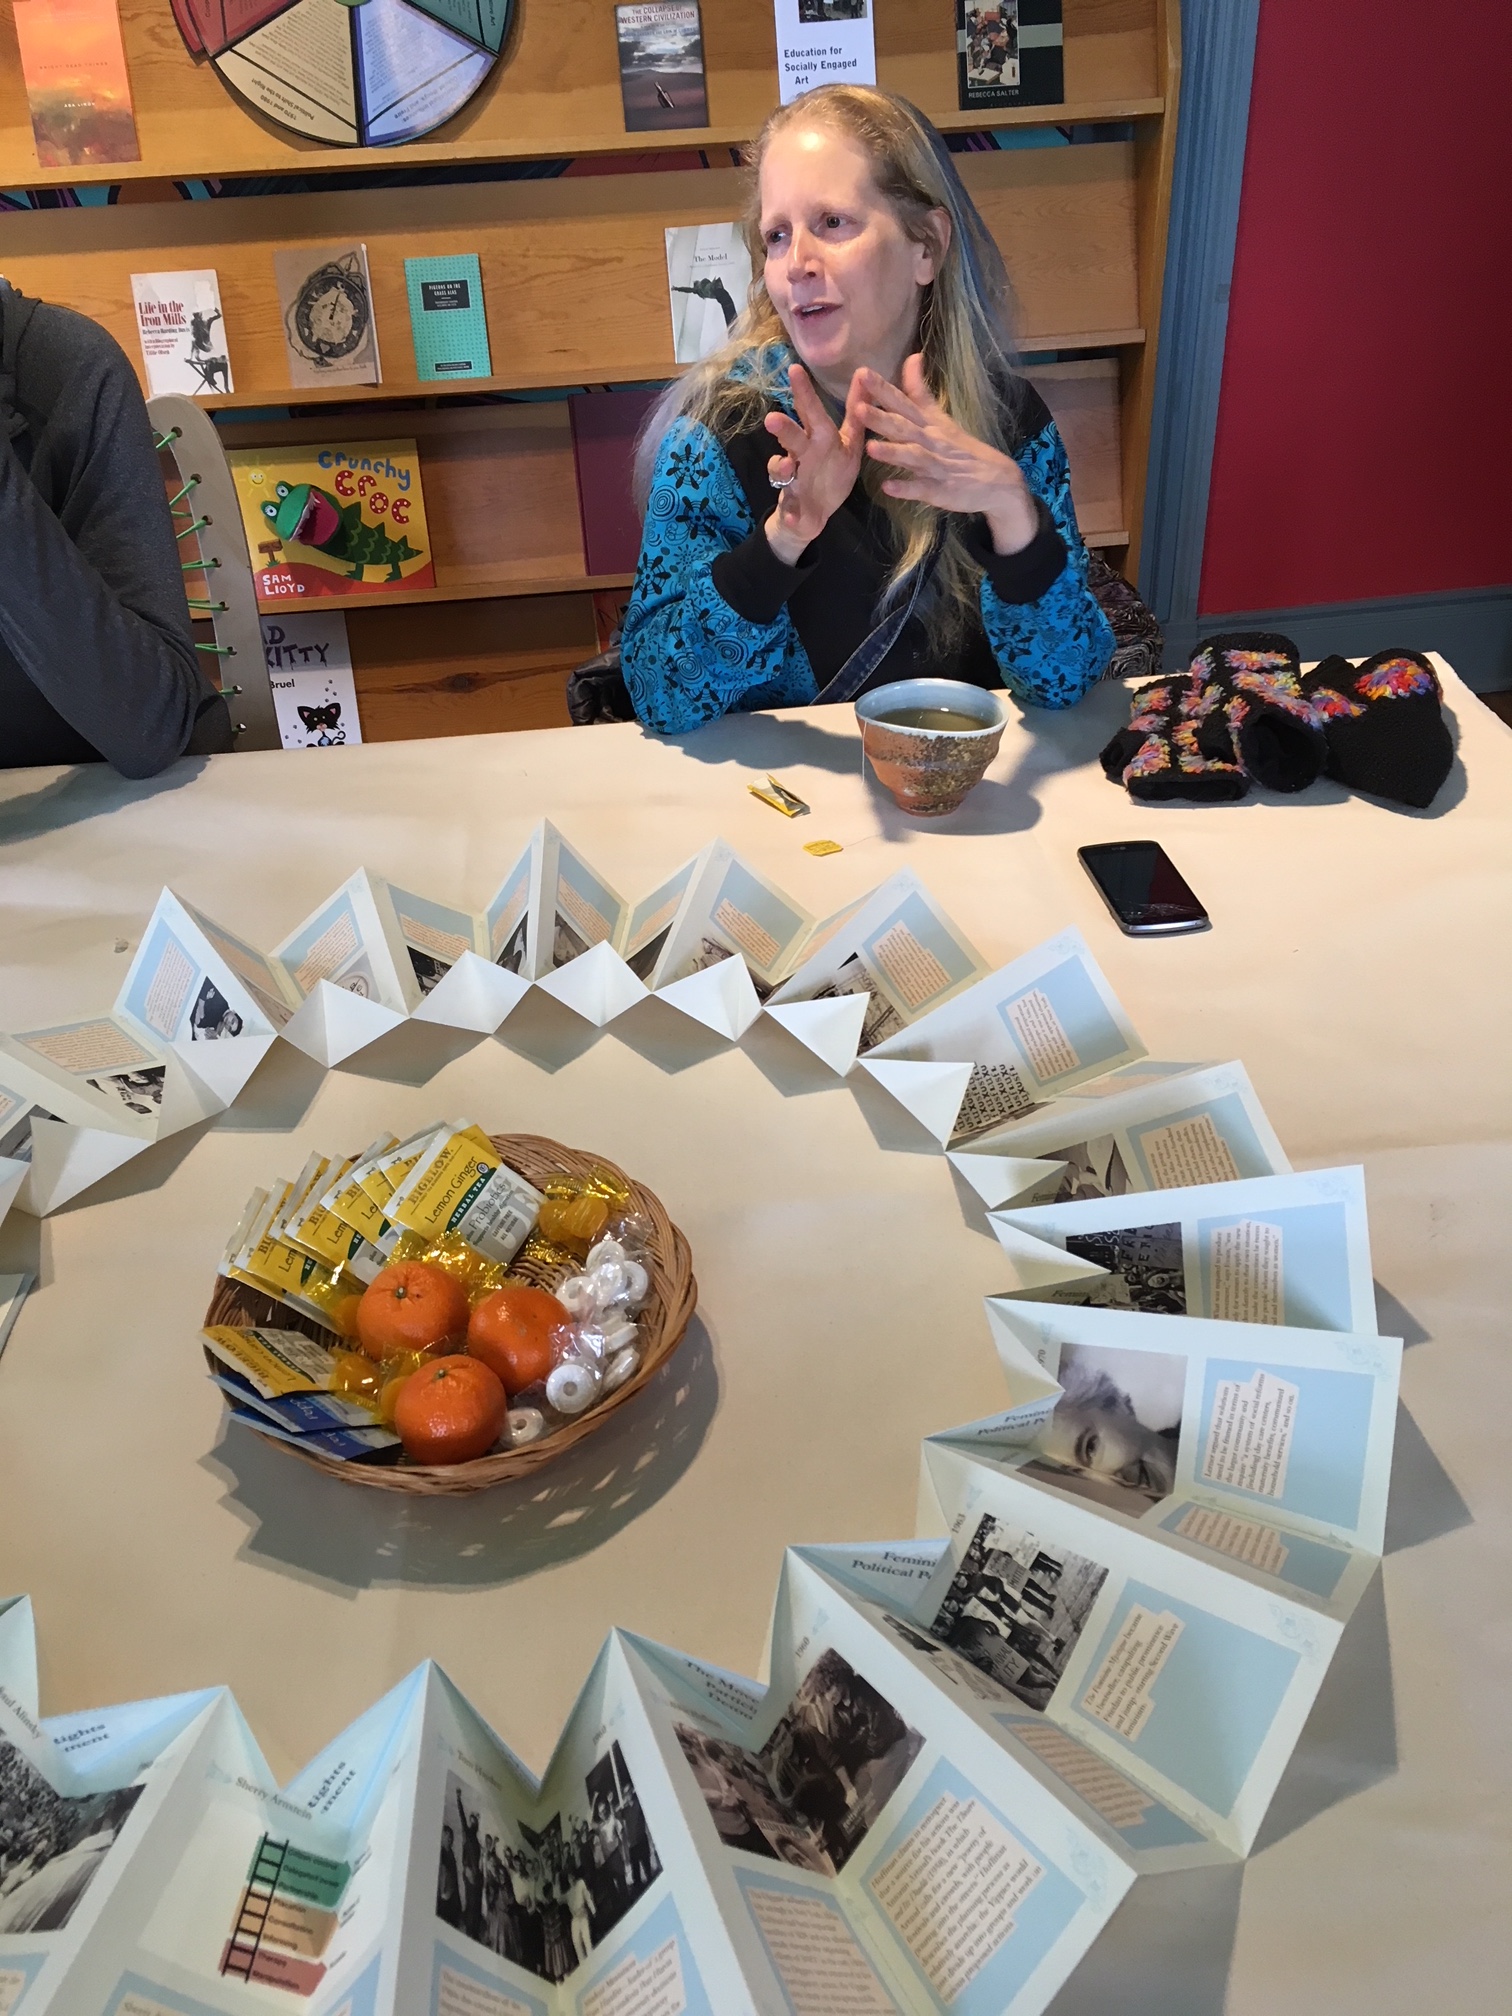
x: 1113, y: 1436
x: 1144, y: 1270
x: 1016, y: 1607
x: 544, y: 1897
x: 51, y: 1846
x: 951, y: 1667
x: 212, y: 1016
x: 1093, y: 1168
x: 830, y: 1766
x: 138, y: 1091
x: 812, y: 12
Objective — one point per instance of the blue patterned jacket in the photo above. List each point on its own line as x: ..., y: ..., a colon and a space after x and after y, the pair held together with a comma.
x: 716, y: 624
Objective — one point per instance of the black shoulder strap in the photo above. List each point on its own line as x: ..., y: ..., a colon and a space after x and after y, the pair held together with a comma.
x: 873, y: 648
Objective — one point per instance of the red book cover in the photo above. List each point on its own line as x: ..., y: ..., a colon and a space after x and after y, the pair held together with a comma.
x: 604, y: 427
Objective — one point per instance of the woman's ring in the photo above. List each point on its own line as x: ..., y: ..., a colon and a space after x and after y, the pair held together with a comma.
x: 782, y: 482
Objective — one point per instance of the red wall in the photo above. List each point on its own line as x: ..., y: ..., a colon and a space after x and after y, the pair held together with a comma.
x: 1364, y: 440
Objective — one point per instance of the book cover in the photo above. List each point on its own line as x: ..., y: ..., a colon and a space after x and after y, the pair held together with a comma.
x: 182, y: 332
x: 77, y: 88
x: 447, y: 318
x: 327, y: 304
x: 310, y: 671
x: 823, y: 42
x: 661, y: 63
x: 1009, y: 52
x: 709, y: 283
x: 333, y: 518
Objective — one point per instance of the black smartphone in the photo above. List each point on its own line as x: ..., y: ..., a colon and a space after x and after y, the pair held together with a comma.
x: 1143, y: 887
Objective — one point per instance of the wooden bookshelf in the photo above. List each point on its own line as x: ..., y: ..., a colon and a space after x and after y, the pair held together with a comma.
x: 574, y: 270
x: 574, y: 280
x: 555, y: 90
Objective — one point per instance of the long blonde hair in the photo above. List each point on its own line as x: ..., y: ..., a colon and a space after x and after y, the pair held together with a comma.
x: 965, y: 317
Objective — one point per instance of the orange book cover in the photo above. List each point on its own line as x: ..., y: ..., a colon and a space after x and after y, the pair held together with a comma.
x: 76, y: 83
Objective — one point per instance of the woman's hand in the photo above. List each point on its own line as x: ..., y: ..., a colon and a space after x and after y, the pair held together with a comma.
x: 946, y: 466
x: 822, y: 460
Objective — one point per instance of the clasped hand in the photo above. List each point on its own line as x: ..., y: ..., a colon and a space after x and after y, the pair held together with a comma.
x: 941, y: 463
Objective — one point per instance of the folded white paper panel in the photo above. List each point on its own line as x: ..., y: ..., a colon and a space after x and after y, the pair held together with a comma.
x: 187, y: 1099
x: 597, y: 985
x: 474, y: 994
x: 931, y: 1092
x: 722, y: 997
x: 331, y: 1024
x: 830, y: 1029
x: 1002, y: 1179
x: 223, y: 1068
x: 12, y: 1176
x: 1039, y: 1262
x: 66, y: 1160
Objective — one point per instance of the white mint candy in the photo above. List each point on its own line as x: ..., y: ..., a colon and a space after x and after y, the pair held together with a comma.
x: 571, y: 1387
x: 622, y: 1366
x: 526, y: 1424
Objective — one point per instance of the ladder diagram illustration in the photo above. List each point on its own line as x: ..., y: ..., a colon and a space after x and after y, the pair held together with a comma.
x: 241, y: 1953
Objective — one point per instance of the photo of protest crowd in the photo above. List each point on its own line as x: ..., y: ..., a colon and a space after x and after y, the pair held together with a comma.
x: 544, y: 1899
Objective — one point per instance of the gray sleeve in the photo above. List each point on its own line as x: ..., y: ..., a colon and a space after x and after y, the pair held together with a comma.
x: 91, y: 598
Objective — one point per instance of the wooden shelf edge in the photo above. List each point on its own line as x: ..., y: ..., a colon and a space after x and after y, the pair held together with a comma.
x: 634, y: 374
x: 311, y: 159
x: 456, y: 591
x: 1119, y: 538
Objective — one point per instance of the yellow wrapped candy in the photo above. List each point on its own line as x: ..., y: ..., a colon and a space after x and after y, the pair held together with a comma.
x: 454, y: 1256
x: 577, y: 1209
x: 355, y: 1377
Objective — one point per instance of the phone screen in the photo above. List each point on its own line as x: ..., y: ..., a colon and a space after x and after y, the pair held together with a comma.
x: 1143, y: 887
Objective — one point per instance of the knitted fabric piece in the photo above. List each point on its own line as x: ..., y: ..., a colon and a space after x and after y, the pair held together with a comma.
x: 1384, y: 725
x: 1177, y: 745
x: 1258, y: 678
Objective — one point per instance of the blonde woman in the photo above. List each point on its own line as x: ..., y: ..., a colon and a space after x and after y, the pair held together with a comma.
x: 857, y: 488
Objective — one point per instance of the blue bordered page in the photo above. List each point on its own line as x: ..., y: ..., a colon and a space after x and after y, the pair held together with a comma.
x: 1032, y: 1031
x: 1273, y: 1249
x: 1199, y: 1126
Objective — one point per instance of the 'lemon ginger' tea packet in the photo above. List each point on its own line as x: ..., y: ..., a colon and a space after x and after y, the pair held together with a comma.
x: 461, y: 1185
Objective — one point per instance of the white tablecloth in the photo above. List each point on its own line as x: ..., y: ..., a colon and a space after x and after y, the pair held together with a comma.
x: 1358, y: 964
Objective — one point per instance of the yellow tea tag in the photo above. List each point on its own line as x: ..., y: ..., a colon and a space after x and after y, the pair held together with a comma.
x: 457, y: 1186
x: 275, y: 1362
x: 822, y: 847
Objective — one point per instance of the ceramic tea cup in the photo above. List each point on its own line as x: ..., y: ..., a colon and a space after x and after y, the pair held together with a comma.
x: 930, y: 740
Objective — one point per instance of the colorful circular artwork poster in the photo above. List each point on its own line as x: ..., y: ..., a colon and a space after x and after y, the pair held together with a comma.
x: 372, y: 74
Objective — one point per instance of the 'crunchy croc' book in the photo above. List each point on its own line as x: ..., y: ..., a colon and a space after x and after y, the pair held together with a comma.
x: 333, y: 518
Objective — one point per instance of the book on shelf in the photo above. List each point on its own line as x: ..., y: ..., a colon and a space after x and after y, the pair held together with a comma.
x: 709, y: 280
x: 77, y: 89
x: 182, y: 332
x: 447, y: 318
x: 326, y: 301
x: 823, y: 42
x: 1009, y: 52
x: 333, y: 518
x: 661, y: 59
x: 310, y: 672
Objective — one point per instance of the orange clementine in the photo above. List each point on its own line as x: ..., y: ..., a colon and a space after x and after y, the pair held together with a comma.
x: 411, y: 1306
x: 450, y: 1411
x: 518, y: 1331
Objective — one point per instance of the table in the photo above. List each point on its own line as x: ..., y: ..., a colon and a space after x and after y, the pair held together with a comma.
x: 1358, y: 964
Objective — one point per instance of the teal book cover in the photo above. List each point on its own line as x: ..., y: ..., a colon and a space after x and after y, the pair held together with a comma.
x: 446, y: 317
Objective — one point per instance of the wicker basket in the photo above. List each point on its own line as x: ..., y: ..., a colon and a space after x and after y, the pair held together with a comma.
x: 663, y: 1320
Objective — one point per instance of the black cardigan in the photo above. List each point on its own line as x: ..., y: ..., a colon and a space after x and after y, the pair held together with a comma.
x: 97, y: 658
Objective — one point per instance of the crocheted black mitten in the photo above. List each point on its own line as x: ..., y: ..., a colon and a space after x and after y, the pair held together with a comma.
x: 1275, y: 729
x: 1177, y: 745
x: 1384, y: 725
